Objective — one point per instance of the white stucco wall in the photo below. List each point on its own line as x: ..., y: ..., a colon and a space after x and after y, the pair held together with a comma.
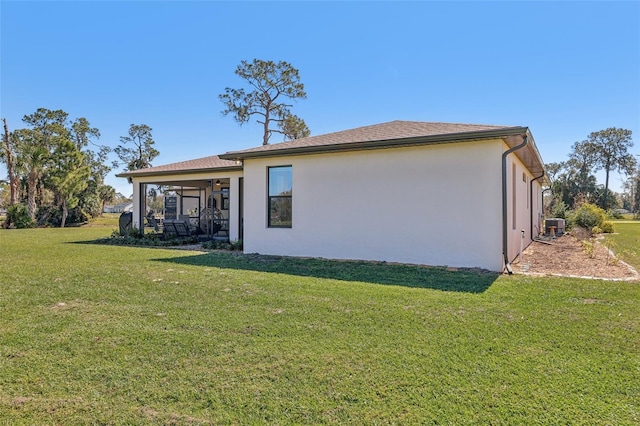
x: 524, y: 206
x: 434, y: 205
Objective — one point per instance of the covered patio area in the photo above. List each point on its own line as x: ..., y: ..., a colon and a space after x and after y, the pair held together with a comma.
x: 201, y: 197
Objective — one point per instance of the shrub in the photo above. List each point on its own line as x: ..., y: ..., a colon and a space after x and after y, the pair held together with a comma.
x: 596, y: 230
x: 222, y: 245
x: 137, y: 238
x: 589, y: 248
x: 588, y: 216
x: 18, y: 217
x: 52, y: 216
x: 559, y: 210
x: 614, y: 214
x: 607, y: 227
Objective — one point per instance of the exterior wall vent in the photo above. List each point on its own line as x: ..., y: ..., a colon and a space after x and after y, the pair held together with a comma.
x: 556, y: 223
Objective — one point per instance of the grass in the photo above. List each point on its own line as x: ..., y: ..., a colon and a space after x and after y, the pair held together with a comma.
x: 107, y: 220
x: 94, y: 334
x: 626, y: 242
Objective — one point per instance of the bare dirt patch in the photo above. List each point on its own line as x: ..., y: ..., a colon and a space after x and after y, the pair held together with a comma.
x: 568, y: 256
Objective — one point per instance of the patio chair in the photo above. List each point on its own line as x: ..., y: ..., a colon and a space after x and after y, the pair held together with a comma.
x: 176, y: 228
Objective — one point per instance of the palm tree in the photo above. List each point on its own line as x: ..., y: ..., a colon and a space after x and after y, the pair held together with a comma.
x: 107, y: 195
x: 31, y: 161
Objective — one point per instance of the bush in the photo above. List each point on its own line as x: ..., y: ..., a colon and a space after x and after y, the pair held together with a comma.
x: 559, y: 210
x: 614, y: 214
x: 52, y: 216
x: 18, y: 217
x: 607, y: 227
x: 596, y: 230
x: 589, y: 247
x: 588, y: 216
x: 222, y: 245
x: 137, y: 238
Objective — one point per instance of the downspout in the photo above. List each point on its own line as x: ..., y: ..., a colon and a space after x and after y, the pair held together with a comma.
x: 504, y: 201
x: 531, y: 202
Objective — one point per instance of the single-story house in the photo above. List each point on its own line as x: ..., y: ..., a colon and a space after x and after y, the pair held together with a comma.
x: 461, y: 195
x: 119, y: 208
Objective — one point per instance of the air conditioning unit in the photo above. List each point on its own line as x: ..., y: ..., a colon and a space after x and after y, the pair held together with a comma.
x: 556, y: 223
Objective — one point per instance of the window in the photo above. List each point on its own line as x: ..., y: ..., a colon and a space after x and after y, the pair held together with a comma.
x: 279, y: 197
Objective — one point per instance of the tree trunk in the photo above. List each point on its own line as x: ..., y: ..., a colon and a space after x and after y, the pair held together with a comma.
x: 13, y: 180
x: 605, y: 201
x: 265, y: 137
x: 636, y: 196
x: 65, y: 213
x: 32, y: 181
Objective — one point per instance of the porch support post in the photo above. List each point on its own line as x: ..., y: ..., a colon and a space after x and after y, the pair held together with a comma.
x: 137, y: 204
x: 234, y: 206
x: 143, y: 206
x: 210, y: 208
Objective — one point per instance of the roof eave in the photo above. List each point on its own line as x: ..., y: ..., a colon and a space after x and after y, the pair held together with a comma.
x: 137, y: 173
x: 377, y: 144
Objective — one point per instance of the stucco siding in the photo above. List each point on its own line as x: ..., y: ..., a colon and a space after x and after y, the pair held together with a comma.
x: 434, y: 205
x: 523, y: 208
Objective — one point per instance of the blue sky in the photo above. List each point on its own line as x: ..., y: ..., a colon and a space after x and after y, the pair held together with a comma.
x: 564, y: 69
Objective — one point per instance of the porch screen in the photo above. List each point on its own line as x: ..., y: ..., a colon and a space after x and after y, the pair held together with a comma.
x: 280, y: 191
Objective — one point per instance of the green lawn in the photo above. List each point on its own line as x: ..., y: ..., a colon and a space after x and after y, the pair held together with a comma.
x: 96, y: 334
x: 626, y: 241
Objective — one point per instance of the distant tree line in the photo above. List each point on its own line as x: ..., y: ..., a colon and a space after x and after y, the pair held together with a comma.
x: 56, y: 169
x: 574, y: 182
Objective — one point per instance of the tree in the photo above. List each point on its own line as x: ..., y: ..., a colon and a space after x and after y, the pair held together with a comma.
x: 632, y: 192
x: 69, y: 175
x: 34, y: 147
x: 572, y: 182
x: 636, y: 194
x: 31, y: 162
x: 121, y: 198
x: 269, y: 82
x: 82, y: 133
x: 107, y: 195
x: 582, y: 161
x: 294, y: 127
x: 4, y: 195
x: 7, y: 154
x: 41, y: 152
x: 142, y: 153
x: 611, y: 148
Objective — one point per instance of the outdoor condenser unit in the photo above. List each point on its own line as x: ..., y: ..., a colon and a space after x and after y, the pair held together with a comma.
x: 557, y: 223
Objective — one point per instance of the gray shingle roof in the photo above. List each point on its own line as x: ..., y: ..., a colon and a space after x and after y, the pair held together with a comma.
x: 212, y: 162
x: 394, y: 133
x: 391, y: 131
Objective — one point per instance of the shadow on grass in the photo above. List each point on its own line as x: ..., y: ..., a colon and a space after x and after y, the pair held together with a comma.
x: 438, y: 278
